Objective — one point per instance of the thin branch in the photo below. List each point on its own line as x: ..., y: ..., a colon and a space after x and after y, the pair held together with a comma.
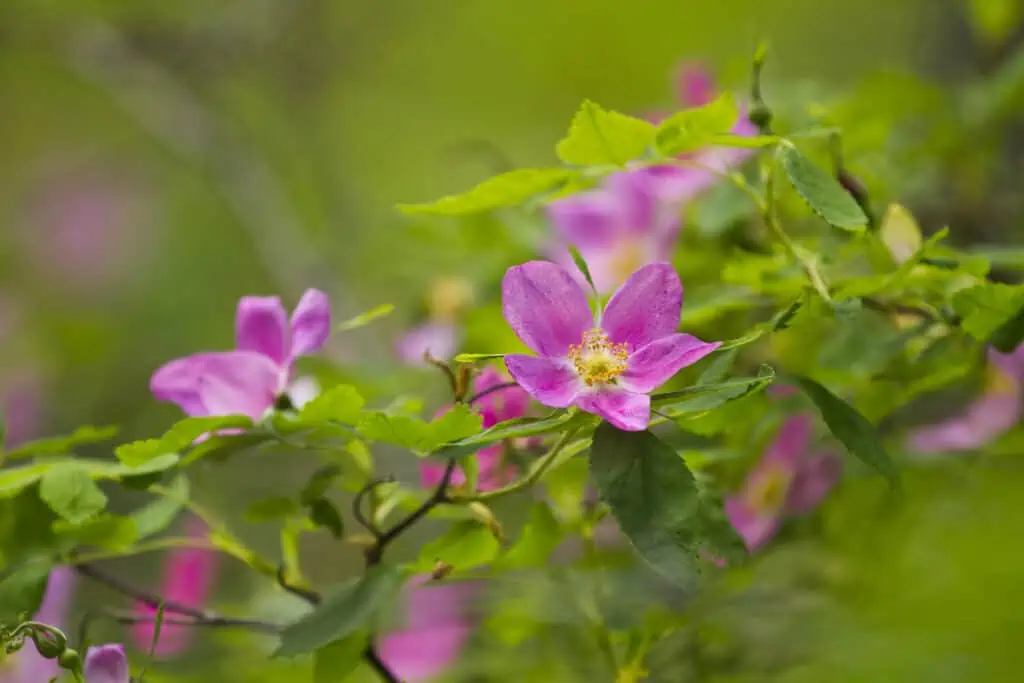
x: 378, y: 665
x: 312, y: 597
x: 489, y: 390
x: 213, y: 621
x: 148, y: 599
x: 357, y: 505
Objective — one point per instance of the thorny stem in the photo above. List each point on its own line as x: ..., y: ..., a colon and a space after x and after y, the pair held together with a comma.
x: 535, y: 473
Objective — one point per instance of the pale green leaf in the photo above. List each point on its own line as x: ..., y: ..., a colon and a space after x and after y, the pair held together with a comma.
x: 692, y: 129
x: 821, y: 191
x: 71, y: 493
x: 501, y: 191
x: 599, y: 137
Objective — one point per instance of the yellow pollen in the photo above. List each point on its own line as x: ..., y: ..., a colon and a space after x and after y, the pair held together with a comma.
x: 998, y: 381
x: 596, y: 359
x: 768, y: 492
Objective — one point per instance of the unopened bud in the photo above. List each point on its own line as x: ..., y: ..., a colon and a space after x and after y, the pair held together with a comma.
x: 483, y: 514
x: 50, y: 643
x: 440, y: 570
x: 70, y: 660
x: 761, y: 116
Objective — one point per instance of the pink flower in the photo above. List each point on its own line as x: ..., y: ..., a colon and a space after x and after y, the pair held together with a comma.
x: 785, y: 483
x: 248, y: 380
x: 21, y: 405
x: 106, y: 664
x: 27, y: 665
x: 434, y: 634
x: 497, y: 405
x: 993, y: 413
x: 606, y: 369
x: 439, y: 339
x: 189, y: 574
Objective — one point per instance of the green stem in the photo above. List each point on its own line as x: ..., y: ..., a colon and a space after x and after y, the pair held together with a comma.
x: 536, y: 472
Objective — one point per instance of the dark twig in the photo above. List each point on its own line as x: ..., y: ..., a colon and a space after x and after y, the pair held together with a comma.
x: 439, y: 496
x: 312, y: 597
x: 378, y: 665
x: 148, y: 599
x: 357, y: 505
x: 214, y: 621
x: 453, y: 382
x: 489, y: 390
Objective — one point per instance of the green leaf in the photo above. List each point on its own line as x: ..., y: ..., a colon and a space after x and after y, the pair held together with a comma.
x: 746, y: 141
x: 22, y: 589
x: 351, y: 609
x: 653, y: 496
x: 70, y: 492
x: 698, y: 127
x: 510, y: 429
x: 474, y: 357
x: 505, y: 190
x: 821, y: 191
x: 181, y: 435
x: 400, y: 430
x: 139, y: 452
x: 1010, y: 334
x: 15, y: 479
x: 539, y: 538
x: 269, y: 509
x: 987, y: 307
x: 458, y: 423
x: 701, y: 398
x: 338, y: 404
x: 334, y: 662
x: 465, y: 545
x: 220, y: 447
x: 158, y: 515
x: 598, y: 137
x: 61, y: 445
x: 323, y: 514
x: 581, y: 264
x: 365, y: 318
x: 319, y: 483
x: 104, y: 531
x: 851, y: 428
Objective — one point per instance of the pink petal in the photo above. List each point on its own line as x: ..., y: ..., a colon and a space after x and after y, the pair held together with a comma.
x: 501, y: 404
x: 654, y: 364
x: 755, y: 529
x: 261, y: 325
x: 586, y: 219
x: 623, y: 409
x: 545, y: 307
x: 550, y: 381
x: 422, y: 655
x: 220, y: 383
x: 646, y: 307
x: 106, y: 664
x: 189, y: 574
x: 815, y: 478
x: 695, y: 85
x: 437, y: 339
x: 494, y: 471
x: 650, y: 198
x: 432, y: 472
x: 987, y: 418
x: 310, y: 324
x: 789, y: 444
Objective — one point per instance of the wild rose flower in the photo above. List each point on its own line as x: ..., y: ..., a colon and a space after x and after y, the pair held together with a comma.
x: 498, y: 405
x: 27, y: 665
x: 189, y: 575
x: 248, y: 380
x: 434, y: 633
x: 606, y: 369
x: 992, y: 414
x: 787, y: 482
x: 106, y: 664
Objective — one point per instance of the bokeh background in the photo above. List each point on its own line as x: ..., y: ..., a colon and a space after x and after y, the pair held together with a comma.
x: 162, y: 159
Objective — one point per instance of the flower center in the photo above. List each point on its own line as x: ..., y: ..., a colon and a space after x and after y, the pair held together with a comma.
x: 596, y: 359
x: 999, y: 382
x: 628, y: 258
x: 768, y: 493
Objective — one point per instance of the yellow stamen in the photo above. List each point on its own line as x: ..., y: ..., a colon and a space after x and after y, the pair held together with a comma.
x: 767, y: 493
x: 596, y: 359
x: 999, y: 382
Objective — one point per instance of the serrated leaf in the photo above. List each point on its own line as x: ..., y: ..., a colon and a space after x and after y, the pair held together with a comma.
x: 501, y: 191
x: 653, y: 496
x: 851, y: 428
x: 333, y: 663
x: 71, y: 493
x: 399, y: 430
x: 268, y: 509
x: 821, y: 191
x: 510, y: 429
x: 701, y: 397
x: 538, y: 539
x: 156, y: 516
x: 21, y: 590
x: 220, y: 447
x: 365, y: 318
x: 465, y: 545
x: 350, y: 610
x: 319, y: 483
x: 985, y: 308
x: 181, y: 435
x: 598, y: 137
x: 692, y: 129
x: 61, y: 445
x: 338, y: 404
x: 323, y: 514
x: 104, y: 531
x: 458, y: 423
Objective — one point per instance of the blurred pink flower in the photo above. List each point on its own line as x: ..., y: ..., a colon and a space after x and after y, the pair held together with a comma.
x: 106, y: 664
x: 86, y: 229
x: 787, y: 482
x: 993, y: 413
x: 497, y: 405
x: 27, y: 665
x: 189, y: 575
x: 248, y: 380
x: 21, y: 405
x: 434, y: 633
x: 439, y: 339
x: 605, y: 369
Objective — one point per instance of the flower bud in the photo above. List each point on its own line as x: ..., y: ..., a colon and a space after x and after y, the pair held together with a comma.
x: 70, y: 660
x: 50, y: 643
